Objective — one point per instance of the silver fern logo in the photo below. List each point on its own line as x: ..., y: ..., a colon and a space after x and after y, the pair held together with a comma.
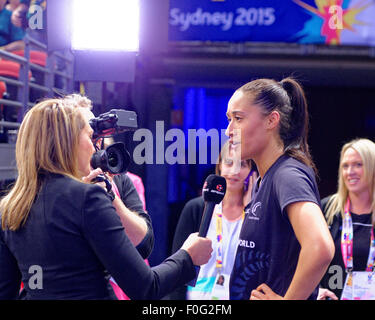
x: 254, y: 210
x: 246, y: 270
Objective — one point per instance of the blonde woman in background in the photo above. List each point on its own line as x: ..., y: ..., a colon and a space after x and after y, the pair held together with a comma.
x: 350, y: 214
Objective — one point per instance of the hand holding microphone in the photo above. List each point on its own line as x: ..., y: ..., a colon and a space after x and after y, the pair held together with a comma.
x: 199, y: 249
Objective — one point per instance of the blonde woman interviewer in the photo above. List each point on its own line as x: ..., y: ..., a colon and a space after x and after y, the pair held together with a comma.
x: 67, y: 231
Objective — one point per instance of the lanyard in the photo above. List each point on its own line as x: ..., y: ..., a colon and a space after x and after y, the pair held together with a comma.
x: 219, y: 235
x: 347, y: 242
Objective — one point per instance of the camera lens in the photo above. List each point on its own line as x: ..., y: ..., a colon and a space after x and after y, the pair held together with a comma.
x: 118, y: 158
x: 99, y: 160
x: 113, y: 159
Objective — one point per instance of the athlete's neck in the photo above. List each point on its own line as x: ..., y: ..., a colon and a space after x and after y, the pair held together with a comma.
x: 268, y: 157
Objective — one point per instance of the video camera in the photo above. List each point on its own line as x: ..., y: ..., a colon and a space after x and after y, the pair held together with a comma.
x: 114, y: 158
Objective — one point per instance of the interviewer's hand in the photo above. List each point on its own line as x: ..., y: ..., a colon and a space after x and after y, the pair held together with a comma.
x: 199, y: 249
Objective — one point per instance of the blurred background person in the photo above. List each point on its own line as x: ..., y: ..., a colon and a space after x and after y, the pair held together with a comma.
x: 11, y: 36
x: 24, y: 10
x: 353, y: 202
x: 19, y: 13
x: 69, y: 229
x: 12, y: 5
x: 223, y: 230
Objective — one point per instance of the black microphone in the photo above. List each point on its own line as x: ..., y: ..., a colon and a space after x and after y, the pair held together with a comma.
x: 213, y: 193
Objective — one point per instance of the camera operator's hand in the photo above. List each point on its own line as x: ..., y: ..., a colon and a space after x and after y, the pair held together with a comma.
x: 93, y: 174
x: 135, y: 226
x: 199, y: 249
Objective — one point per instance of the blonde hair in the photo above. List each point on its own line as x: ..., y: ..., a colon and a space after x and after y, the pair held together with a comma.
x: 366, y: 150
x: 76, y: 100
x: 47, y: 142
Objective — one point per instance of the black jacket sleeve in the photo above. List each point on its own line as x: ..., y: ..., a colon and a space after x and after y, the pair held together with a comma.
x: 188, y: 223
x: 130, y: 198
x: 105, y: 233
x: 10, y: 276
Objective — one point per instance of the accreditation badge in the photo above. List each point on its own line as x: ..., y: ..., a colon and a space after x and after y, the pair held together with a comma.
x: 347, y: 292
x: 363, y: 285
x: 220, y: 291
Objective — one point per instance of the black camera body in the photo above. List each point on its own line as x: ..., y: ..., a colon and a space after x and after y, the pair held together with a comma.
x: 113, y: 122
x: 115, y: 158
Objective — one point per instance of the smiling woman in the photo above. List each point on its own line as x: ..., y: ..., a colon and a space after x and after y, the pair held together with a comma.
x: 356, y: 179
x: 352, y: 210
x: 352, y: 171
